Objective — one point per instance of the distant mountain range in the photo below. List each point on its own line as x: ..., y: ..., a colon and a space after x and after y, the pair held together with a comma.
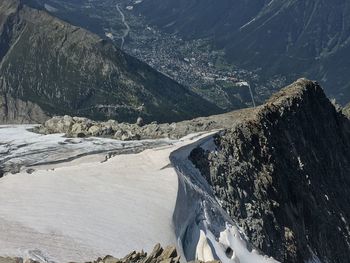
x: 50, y: 67
x: 291, y: 38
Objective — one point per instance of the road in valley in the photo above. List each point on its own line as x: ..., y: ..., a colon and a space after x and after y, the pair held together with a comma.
x: 127, y: 27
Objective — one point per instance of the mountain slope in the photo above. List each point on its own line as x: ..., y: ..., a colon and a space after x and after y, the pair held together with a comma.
x: 292, y: 38
x: 19, y: 111
x: 284, y: 176
x: 67, y: 70
x: 277, y: 179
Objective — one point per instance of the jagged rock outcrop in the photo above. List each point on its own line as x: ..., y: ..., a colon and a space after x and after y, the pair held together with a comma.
x: 158, y: 255
x: 284, y: 175
x: 67, y: 70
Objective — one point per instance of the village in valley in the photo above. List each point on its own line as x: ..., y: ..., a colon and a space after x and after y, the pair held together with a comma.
x: 195, y: 63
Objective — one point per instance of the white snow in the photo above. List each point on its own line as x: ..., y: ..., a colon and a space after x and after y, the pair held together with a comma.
x: 202, y: 227
x: 301, y: 164
x: 83, y: 209
x: 203, y: 249
x: 242, y: 83
x: 109, y: 35
x: 86, y: 210
x: 20, y: 146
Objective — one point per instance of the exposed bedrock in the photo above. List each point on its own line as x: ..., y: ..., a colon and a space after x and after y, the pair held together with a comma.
x: 158, y: 255
x: 18, y: 111
x: 284, y: 175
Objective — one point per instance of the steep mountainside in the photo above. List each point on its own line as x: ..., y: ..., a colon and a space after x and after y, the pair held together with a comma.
x: 67, y: 70
x: 309, y: 38
x: 284, y: 175
x: 19, y: 111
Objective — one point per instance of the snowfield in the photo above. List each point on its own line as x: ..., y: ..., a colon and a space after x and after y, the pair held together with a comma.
x: 78, y: 209
x: 20, y: 147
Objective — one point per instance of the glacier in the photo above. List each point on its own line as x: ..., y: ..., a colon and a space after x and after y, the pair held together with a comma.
x: 76, y: 204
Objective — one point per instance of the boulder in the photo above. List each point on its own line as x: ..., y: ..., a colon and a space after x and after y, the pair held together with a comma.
x: 118, y: 134
x: 51, y: 124
x: 94, y: 130
x: 169, y: 252
x: 129, y: 136
x: 81, y: 119
x: 77, y: 128
x: 140, y: 122
x: 106, y: 130
x: 59, y: 124
x: 111, y: 259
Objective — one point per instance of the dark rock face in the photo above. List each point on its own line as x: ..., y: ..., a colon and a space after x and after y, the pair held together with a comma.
x: 284, y: 175
x: 66, y: 70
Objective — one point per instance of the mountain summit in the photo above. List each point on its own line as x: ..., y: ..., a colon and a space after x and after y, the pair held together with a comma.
x: 283, y: 174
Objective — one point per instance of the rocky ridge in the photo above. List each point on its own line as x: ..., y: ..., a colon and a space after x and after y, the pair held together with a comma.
x: 81, y: 127
x: 158, y: 255
x: 284, y: 175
